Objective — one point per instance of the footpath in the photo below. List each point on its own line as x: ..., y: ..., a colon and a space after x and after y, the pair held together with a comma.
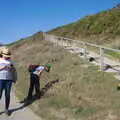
x: 17, y: 110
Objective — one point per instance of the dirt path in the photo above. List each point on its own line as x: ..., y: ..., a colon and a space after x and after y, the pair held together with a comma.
x: 18, y: 112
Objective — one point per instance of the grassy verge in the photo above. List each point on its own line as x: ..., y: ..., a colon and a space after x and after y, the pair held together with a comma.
x: 115, y: 55
x: 82, y: 92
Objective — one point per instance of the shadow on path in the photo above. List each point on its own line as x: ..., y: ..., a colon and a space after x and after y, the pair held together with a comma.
x: 13, y: 110
x: 27, y: 102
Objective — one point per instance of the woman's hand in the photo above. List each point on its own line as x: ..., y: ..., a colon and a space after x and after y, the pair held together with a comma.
x: 7, y: 67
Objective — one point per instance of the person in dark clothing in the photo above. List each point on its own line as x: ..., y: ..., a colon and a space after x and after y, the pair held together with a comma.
x: 34, y: 80
x: 34, y: 83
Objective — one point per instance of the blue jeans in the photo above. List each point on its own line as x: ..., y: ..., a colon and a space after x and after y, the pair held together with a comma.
x: 6, y: 85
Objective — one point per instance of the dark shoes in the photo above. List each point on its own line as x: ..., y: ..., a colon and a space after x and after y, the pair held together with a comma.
x: 29, y: 99
x: 37, y: 96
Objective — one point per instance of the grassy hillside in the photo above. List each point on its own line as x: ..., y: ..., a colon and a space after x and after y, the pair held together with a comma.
x: 73, y: 90
x: 102, y: 27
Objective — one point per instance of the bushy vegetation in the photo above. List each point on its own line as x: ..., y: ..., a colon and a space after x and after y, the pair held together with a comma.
x: 104, y: 24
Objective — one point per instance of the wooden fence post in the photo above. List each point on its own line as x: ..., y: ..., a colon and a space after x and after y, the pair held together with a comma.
x: 56, y: 42
x: 69, y: 43
x: 101, y: 58
x: 63, y: 42
x: 85, y: 50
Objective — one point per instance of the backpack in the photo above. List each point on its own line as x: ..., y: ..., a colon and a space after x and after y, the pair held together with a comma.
x: 32, y: 68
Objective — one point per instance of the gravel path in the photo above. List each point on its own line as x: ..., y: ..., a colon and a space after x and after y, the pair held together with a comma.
x: 18, y: 112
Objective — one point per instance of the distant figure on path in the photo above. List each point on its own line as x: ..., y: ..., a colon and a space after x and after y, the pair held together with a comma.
x: 7, y: 75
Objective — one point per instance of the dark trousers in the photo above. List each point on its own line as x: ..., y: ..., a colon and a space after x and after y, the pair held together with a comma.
x: 6, y: 85
x: 34, y: 84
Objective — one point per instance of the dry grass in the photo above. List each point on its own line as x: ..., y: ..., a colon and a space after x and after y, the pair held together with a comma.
x: 82, y: 92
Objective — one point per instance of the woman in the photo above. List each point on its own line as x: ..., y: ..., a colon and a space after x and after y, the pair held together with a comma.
x: 7, y: 71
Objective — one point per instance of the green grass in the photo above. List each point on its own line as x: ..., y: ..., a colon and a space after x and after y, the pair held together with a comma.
x: 83, y: 111
x: 101, y: 27
x: 115, y: 55
x: 59, y: 102
x: 82, y: 91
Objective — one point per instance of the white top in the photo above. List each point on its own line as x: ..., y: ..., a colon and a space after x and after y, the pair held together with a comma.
x: 39, y: 68
x: 6, y: 74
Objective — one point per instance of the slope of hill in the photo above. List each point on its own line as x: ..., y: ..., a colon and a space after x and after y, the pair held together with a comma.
x: 102, y: 27
x: 73, y: 90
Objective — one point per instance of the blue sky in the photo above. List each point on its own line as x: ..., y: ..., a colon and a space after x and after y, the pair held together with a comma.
x: 22, y: 18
